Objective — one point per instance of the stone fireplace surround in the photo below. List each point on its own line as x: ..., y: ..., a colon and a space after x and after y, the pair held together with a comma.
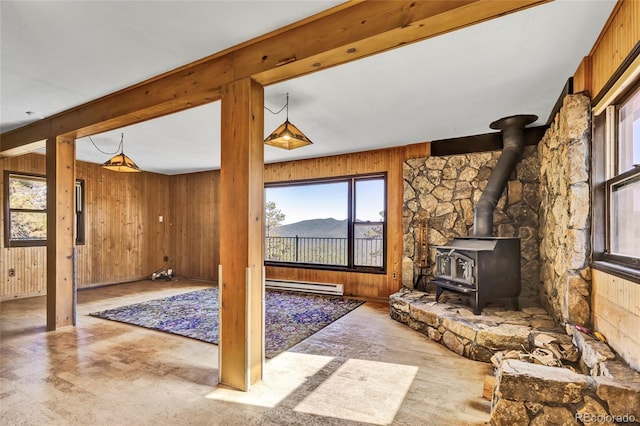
x: 443, y: 191
x: 546, y: 203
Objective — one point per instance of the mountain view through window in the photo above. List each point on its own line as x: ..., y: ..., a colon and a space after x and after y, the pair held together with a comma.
x: 338, y: 222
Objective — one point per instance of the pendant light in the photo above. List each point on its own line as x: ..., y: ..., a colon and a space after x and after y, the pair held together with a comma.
x: 120, y: 162
x: 287, y: 136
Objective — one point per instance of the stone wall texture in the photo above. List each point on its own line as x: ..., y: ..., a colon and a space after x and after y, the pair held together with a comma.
x: 443, y: 191
x: 532, y: 394
x: 546, y: 203
x: 564, y: 212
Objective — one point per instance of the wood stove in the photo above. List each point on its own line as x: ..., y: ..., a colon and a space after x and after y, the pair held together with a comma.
x: 485, y: 268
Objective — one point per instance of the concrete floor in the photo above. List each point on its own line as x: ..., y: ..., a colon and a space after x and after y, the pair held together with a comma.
x: 364, y: 368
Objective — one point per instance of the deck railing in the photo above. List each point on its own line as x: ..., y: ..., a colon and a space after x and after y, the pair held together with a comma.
x: 323, y: 250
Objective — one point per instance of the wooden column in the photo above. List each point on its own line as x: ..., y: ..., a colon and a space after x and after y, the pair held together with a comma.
x: 61, y: 175
x: 241, y: 234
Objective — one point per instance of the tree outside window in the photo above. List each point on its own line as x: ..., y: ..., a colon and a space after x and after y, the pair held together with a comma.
x: 26, y: 210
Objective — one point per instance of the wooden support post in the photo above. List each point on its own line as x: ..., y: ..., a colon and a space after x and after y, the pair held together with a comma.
x: 61, y: 176
x: 241, y: 234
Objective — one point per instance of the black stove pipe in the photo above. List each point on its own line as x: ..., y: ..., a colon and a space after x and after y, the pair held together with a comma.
x: 513, y: 142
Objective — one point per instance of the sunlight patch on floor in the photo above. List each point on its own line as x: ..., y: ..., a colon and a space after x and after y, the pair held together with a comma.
x: 361, y: 391
x: 282, y: 376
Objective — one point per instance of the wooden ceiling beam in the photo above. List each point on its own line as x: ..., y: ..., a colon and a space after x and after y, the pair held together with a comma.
x: 363, y: 30
x: 340, y: 35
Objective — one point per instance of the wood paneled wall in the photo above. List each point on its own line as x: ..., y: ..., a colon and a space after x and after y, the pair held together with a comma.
x: 195, y: 228
x: 616, y: 314
x: 124, y: 239
x: 30, y: 263
x: 196, y: 202
x: 617, y: 39
x: 388, y: 160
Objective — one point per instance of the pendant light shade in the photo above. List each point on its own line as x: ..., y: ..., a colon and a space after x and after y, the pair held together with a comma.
x: 287, y: 136
x: 120, y: 162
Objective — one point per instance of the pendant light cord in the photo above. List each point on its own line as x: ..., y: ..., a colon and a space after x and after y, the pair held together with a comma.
x: 286, y: 105
x: 109, y: 153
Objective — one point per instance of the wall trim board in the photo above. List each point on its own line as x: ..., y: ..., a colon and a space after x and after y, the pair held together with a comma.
x: 483, y: 142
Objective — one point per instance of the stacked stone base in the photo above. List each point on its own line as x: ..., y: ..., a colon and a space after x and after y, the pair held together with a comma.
x: 532, y: 394
x: 604, y: 390
x: 478, y: 337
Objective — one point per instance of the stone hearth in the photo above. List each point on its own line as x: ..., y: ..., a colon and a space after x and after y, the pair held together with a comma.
x: 452, y: 323
x: 601, y: 389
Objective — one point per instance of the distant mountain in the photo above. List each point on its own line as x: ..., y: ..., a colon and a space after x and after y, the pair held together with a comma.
x: 328, y: 228
x: 324, y: 228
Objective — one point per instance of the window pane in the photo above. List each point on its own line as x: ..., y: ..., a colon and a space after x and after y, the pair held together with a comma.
x: 369, y: 200
x: 307, y: 223
x: 28, y: 226
x: 368, y: 245
x: 629, y: 133
x: 27, y: 193
x: 625, y: 217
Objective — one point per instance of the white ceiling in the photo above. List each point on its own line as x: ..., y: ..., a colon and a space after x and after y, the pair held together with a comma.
x: 58, y: 54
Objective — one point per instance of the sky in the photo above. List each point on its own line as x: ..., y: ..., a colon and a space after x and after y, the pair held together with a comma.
x: 327, y: 200
x: 636, y: 142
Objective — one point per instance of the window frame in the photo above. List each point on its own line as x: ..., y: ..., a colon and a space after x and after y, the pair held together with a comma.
x: 351, y: 224
x: 633, y: 173
x: 355, y: 223
x: 606, y: 175
x: 79, y: 207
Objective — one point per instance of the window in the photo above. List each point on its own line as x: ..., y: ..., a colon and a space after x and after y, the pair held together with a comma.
x: 368, y: 224
x: 332, y: 223
x: 617, y: 145
x: 623, y: 185
x: 26, y: 210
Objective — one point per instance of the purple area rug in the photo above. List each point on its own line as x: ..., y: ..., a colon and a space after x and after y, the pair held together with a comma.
x: 290, y: 317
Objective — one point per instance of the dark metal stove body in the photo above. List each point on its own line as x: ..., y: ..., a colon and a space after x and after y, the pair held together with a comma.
x: 483, y: 266
x: 486, y: 268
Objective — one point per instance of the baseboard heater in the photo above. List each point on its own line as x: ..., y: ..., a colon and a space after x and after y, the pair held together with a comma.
x: 304, y: 286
